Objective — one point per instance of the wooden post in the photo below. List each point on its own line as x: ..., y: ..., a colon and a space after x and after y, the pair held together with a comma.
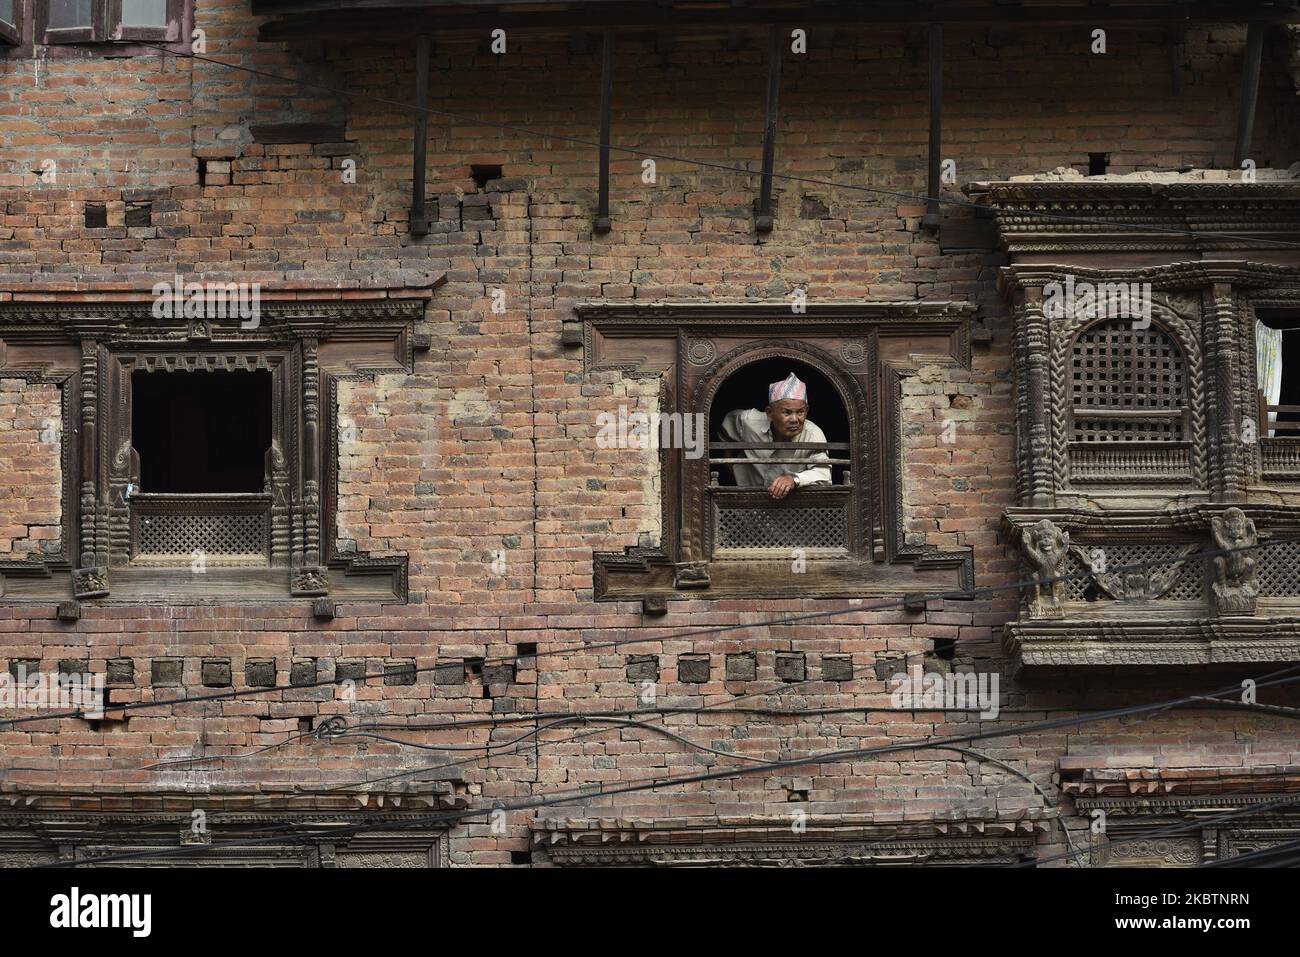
x: 603, y: 223
x: 1249, y: 92
x: 932, y: 215
x: 764, y: 220
x: 309, y: 578
x: 419, y: 216
x: 90, y: 579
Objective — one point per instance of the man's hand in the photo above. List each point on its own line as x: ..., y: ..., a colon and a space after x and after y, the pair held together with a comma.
x: 782, y: 486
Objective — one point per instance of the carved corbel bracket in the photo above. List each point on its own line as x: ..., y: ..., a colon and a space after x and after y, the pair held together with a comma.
x: 90, y: 582
x: 1236, y: 589
x: 1044, y: 546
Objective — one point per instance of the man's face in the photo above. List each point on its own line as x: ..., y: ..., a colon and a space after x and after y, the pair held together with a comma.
x: 787, y: 417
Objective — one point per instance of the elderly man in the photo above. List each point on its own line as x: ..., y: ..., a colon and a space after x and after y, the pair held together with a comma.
x: 784, y: 420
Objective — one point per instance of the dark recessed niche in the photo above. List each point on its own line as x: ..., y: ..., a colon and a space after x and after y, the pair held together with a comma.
x: 139, y: 214
x: 484, y: 174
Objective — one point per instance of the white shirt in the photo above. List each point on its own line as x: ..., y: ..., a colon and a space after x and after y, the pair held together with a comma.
x: 751, y: 425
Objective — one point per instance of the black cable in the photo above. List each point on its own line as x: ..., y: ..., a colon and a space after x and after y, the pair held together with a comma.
x: 884, y: 605
x: 321, y: 733
x: 1268, y: 680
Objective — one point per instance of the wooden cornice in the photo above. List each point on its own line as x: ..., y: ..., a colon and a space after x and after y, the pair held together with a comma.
x: 690, y: 311
x: 1181, y: 275
x: 956, y: 835
x: 1118, y: 779
x: 1174, y: 215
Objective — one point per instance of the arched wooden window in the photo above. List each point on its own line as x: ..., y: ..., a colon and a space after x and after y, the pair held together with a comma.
x: 817, y: 520
x: 847, y: 538
x: 1129, y: 404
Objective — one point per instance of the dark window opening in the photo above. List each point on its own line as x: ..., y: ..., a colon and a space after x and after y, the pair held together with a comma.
x: 482, y: 175
x: 1286, y: 420
x: 747, y: 389
x: 521, y: 857
x: 96, y: 216
x: 1098, y: 163
x: 201, y: 432
x: 139, y: 214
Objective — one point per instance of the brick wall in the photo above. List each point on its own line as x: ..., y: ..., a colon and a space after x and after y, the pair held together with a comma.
x: 31, y: 426
x: 487, y: 450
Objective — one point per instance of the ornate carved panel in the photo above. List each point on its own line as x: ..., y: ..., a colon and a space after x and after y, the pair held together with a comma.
x: 319, y: 830
x: 1202, y: 813
x: 1138, y: 440
x: 850, y: 840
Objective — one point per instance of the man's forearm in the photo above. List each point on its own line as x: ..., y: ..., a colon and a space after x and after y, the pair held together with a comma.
x: 813, y: 477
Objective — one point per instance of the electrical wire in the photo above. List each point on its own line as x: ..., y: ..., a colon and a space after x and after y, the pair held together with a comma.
x: 323, y: 734
x: 1271, y: 679
x: 883, y: 605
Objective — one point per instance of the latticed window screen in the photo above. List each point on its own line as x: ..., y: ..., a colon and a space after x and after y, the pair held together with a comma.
x: 1279, y: 570
x: 790, y: 526
x: 242, y: 536
x: 1118, y: 369
x: 1188, y: 586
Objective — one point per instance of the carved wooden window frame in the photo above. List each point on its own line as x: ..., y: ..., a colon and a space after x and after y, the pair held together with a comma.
x: 284, y: 363
x: 1144, y: 619
x: 692, y: 348
x: 88, y: 351
x: 106, y: 36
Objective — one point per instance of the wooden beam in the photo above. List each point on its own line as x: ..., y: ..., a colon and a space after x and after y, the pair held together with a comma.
x: 932, y: 214
x: 322, y: 18
x: 603, y: 223
x: 419, y: 216
x: 764, y: 220
x: 1249, y: 92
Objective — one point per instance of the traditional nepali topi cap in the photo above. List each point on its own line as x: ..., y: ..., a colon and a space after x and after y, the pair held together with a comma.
x: 790, y: 388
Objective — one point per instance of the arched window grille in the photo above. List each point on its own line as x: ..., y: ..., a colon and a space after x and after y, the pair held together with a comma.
x: 1128, y: 404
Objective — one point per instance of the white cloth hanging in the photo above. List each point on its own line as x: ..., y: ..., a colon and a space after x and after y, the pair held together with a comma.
x: 1268, y: 368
